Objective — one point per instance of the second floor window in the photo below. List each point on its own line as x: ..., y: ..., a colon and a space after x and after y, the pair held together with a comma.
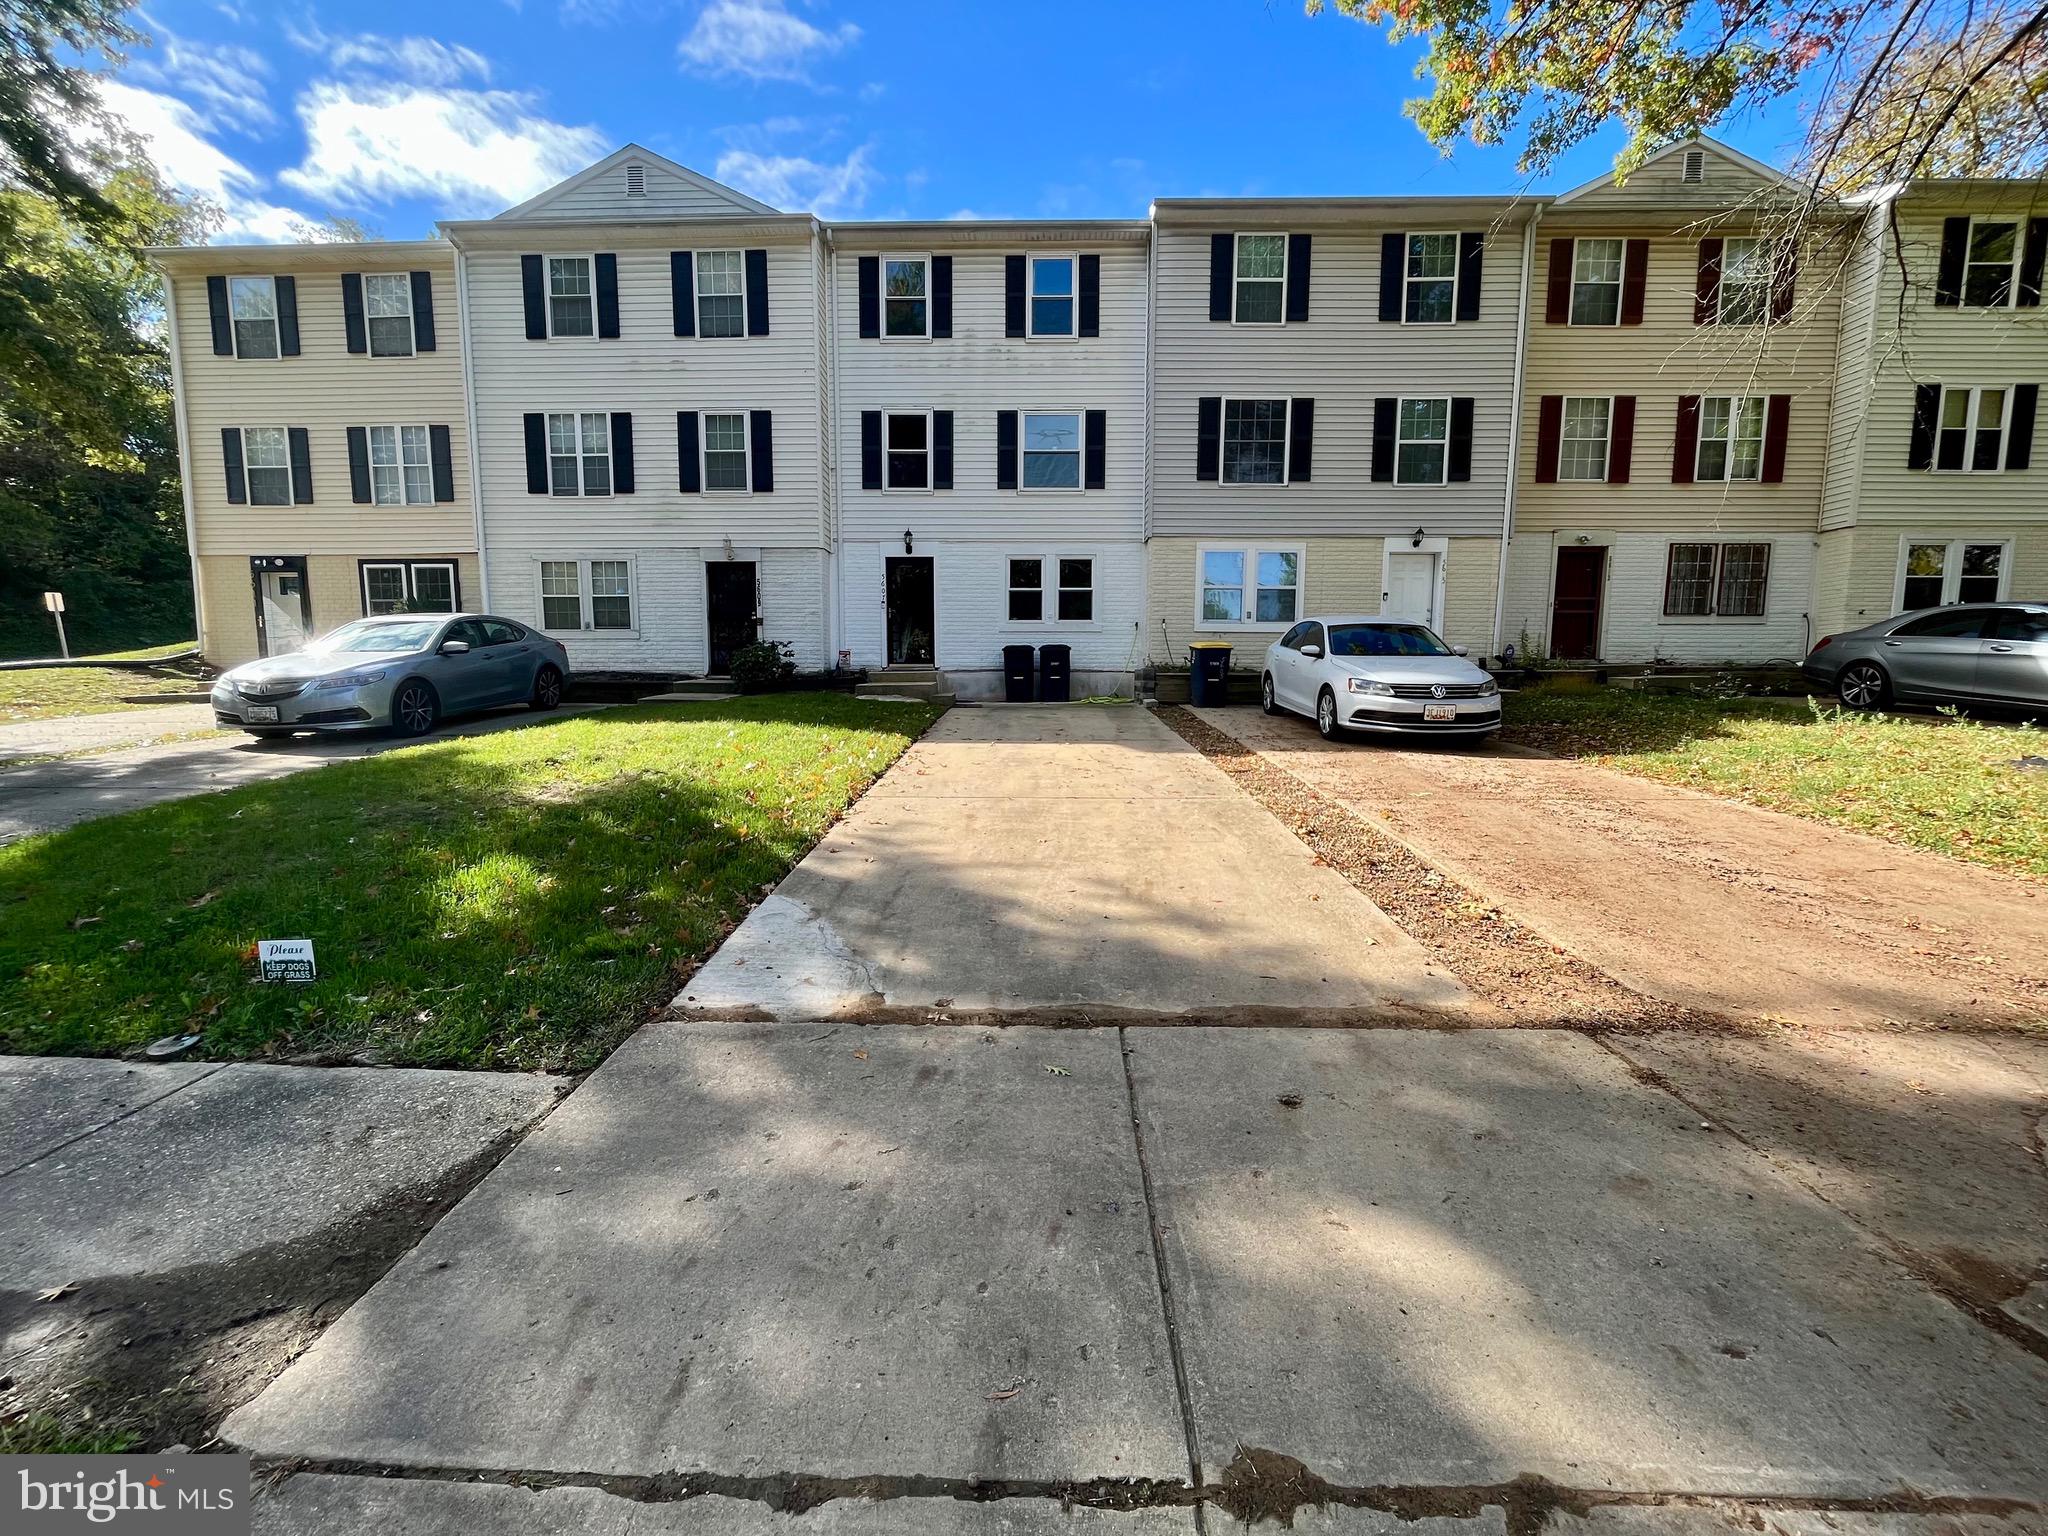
x: 1972, y: 435
x: 907, y: 442
x: 725, y: 450
x: 1596, y: 282
x: 580, y: 454
x: 401, y: 471
x: 1432, y: 280
x: 252, y: 301
x: 1254, y: 442
x: 1731, y: 438
x: 1052, y: 452
x: 1991, y: 264
x: 1582, y: 448
x: 721, y: 294
x: 1745, y: 289
x: 906, y: 296
x: 387, y: 303
x: 1260, y: 280
x: 1422, y: 442
x: 266, y: 456
x: 572, y: 311
x: 1052, y: 296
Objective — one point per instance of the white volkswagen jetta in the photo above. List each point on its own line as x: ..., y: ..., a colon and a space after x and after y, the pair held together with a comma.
x: 1378, y: 675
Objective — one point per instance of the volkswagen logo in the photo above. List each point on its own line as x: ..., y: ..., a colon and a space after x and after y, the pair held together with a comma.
x: 1436, y: 690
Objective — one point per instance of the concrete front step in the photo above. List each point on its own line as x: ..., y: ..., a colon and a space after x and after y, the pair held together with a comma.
x: 883, y: 686
x: 694, y: 688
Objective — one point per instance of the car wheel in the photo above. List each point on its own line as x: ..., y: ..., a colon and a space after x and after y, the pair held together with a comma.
x: 414, y: 709
x: 1267, y: 702
x: 547, y: 689
x: 1863, y: 685
x: 1326, y: 716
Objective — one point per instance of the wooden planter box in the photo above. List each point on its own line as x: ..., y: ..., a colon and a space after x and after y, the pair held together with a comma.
x: 1170, y: 685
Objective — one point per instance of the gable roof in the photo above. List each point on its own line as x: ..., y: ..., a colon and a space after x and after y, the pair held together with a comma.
x: 1770, y: 175
x: 719, y: 198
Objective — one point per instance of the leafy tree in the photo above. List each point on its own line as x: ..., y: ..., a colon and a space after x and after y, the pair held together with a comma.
x: 46, y: 97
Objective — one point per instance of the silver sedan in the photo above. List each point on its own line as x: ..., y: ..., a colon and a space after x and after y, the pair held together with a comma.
x: 1372, y: 674
x: 1967, y: 653
x: 404, y: 672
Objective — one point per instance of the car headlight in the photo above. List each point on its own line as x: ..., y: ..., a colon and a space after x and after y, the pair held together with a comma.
x: 347, y: 680
x: 1488, y: 689
x: 1367, y: 685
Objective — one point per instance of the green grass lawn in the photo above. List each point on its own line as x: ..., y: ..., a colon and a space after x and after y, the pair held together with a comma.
x: 44, y: 693
x: 1932, y: 781
x: 38, y: 1434
x: 520, y: 900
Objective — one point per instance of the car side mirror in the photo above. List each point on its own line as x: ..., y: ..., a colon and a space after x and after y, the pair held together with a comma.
x: 1311, y: 651
x: 1461, y: 650
x: 454, y: 647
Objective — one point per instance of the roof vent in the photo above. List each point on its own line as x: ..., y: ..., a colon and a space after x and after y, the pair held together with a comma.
x: 636, y: 179
x: 1695, y: 170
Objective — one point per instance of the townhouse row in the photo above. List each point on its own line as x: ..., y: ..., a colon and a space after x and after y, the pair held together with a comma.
x: 658, y: 419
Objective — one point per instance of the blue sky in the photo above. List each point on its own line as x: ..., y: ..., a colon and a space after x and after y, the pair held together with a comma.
x: 397, y: 114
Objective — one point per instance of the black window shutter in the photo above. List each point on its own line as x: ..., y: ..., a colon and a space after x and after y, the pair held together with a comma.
x: 1006, y: 450
x: 1297, y: 278
x: 607, y: 296
x: 1948, y: 276
x: 2033, y: 258
x: 287, y: 316
x: 231, y: 456
x: 359, y: 466
x: 1013, y: 295
x: 1301, y: 438
x: 1784, y: 280
x: 1095, y: 456
x: 352, y: 326
x: 532, y: 283
x: 1208, y: 437
x: 1777, y: 431
x: 682, y: 279
x: 2019, y: 439
x: 441, y: 455
x: 870, y: 448
x: 757, y: 292
x: 217, y: 313
x: 942, y: 296
x: 536, y: 452
x: 299, y: 445
x: 942, y: 450
x: 1471, y: 268
x: 1383, y: 410
x: 1393, y: 268
x: 1222, y: 253
x: 870, y: 296
x: 423, y: 311
x: 1091, y: 295
x: 761, y: 426
x: 1460, y: 455
x: 1926, y: 412
x: 689, y: 468
x: 622, y: 453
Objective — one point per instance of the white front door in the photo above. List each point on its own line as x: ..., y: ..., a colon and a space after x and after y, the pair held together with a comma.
x: 1411, y: 588
x: 281, y: 604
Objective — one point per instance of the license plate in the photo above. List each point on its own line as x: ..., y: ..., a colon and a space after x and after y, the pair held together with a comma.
x: 260, y: 712
x: 1439, y: 712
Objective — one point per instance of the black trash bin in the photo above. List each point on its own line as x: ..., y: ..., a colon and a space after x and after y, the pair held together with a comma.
x: 1209, y: 673
x: 1055, y: 673
x: 1020, y: 674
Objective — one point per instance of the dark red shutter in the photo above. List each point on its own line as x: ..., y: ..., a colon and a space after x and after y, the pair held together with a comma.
x: 1777, y: 424
x: 1557, y: 292
x: 1549, y: 428
x: 1621, y: 440
x: 1784, y: 276
x: 1686, y: 446
x: 1706, y: 293
x: 1635, y: 280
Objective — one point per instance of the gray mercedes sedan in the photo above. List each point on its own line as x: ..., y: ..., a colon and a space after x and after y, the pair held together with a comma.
x: 402, y: 672
x: 1967, y: 653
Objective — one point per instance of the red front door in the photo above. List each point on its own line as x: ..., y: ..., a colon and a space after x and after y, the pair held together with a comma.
x: 1575, y: 611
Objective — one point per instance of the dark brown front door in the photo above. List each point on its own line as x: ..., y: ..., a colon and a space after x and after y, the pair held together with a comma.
x: 729, y: 597
x: 1575, y: 613
x: 911, y: 610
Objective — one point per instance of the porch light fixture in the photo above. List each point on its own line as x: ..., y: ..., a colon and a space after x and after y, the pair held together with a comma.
x: 906, y: 542
x: 1415, y: 539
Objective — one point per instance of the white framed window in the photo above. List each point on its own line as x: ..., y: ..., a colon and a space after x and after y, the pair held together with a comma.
x: 1430, y: 279
x: 1077, y: 589
x: 906, y: 450
x: 1259, y: 280
x: 408, y: 586
x: 1744, y: 296
x: 906, y: 298
x: 580, y: 453
x: 1050, y: 443
x: 401, y: 467
x: 721, y: 278
x: 267, y: 466
x: 1937, y: 571
x: 1596, y: 281
x: 1706, y: 580
x: 1247, y: 586
x: 1991, y: 264
x: 1972, y: 429
x: 1072, y: 583
x: 1583, y: 437
x: 252, y: 304
x: 1422, y: 441
x: 1027, y: 588
x: 1731, y: 445
x: 724, y: 440
x: 387, y: 306
x: 1051, y: 299
x: 1254, y: 442
x: 579, y: 594
x: 572, y: 296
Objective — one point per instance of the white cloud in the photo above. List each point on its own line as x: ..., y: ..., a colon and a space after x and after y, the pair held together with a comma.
x: 424, y: 60
x: 759, y: 39
x: 172, y: 133
x: 473, y: 152
x: 797, y: 184
x: 225, y: 81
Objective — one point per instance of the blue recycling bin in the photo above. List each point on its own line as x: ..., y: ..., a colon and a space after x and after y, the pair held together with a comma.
x: 1055, y: 673
x: 1209, y: 673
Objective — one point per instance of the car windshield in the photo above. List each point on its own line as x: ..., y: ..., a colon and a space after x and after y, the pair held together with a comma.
x: 1384, y: 640
x: 379, y: 637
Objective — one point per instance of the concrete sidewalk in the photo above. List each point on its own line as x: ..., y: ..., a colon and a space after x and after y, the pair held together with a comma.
x: 96, y: 732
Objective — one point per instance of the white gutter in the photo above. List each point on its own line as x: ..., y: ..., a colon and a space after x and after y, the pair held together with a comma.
x: 1507, y: 511
x: 184, y: 453
x: 476, y: 474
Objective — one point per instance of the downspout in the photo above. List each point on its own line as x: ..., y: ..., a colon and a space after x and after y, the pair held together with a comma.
x: 829, y: 427
x: 476, y: 474
x: 184, y: 454
x: 1507, y: 512
x: 1151, y: 429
